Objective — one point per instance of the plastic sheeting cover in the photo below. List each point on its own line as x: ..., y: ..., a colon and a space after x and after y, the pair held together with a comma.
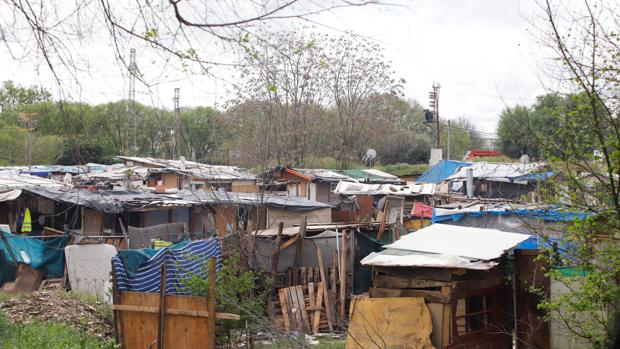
x: 442, y: 170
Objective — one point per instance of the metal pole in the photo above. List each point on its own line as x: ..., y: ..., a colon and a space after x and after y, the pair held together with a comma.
x: 177, y: 132
x: 30, y: 151
x: 436, y: 87
x: 448, y: 152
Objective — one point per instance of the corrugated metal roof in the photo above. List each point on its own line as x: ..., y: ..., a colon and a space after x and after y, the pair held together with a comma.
x: 9, y: 181
x: 500, y: 172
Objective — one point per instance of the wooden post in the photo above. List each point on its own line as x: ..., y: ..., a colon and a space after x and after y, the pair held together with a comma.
x: 352, y: 254
x: 302, y: 237
x: 276, y: 255
x: 211, y: 307
x: 8, y: 247
x: 447, y: 312
x: 116, y: 299
x: 323, y: 288
x: 162, y: 307
x: 343, y: 278
x: 383, y: 219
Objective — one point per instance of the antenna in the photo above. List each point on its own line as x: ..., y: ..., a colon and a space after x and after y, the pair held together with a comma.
x: 133, y: 72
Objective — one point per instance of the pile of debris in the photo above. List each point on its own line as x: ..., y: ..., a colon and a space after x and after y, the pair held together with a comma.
x: 52, y: 306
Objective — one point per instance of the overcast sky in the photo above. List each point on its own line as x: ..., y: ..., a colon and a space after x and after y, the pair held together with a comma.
x: 484, y: 53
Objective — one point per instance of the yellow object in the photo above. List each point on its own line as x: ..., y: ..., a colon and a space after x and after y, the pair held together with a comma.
x: 402, y: 323
x: 157, y: 244
x: 27, y: 225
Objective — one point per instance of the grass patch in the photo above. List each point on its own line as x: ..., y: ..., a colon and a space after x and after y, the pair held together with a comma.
x: 403, y: 169
x: 302, y: 342
x: 46, y: 335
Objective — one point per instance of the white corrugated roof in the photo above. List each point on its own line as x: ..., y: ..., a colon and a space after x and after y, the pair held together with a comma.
x: 473, y: 243
x: 497, y: 171
x: 401, y: 258
x: 9, y: 181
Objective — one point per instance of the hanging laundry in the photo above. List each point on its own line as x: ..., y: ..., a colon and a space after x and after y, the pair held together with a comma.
x: 27, y: 225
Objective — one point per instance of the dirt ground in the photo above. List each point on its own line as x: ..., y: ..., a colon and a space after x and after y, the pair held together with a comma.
x: 89, y: 316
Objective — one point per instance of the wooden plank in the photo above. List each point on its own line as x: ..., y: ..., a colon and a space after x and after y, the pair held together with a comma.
x: 446, y: 319
x: 436, y: 274
x: 343, y: 279
x: 328, y: 310
x: 302, y: 308
x: 318, y: 304
x: 388, y: 281
x: 161, y: 328
x: 211, y: 319
x: 295, y: 309
x: 302, y: 237
x: 116, y: 299
x: 285, y: 309
x: 182, y: 331
x: 303, y: 277
x: 276, y: 255
x: 463, y: 287
x: 311, y: 298
x: 289, y: 242
x: 430, y: 296
x: 173, y: 311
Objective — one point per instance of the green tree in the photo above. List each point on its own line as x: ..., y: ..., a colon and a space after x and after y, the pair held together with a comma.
x: 516, y: 136
x: 588, y: 49
x: 13, y: 96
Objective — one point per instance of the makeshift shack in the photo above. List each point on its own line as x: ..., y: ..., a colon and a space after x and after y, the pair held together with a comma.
x: 461, y: 273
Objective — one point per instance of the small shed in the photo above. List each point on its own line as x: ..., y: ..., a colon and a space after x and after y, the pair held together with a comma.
x: 461, y: 273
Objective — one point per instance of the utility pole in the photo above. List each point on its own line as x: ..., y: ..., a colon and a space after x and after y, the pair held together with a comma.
x: 434, y: 103
x: 29, y: 123
x: 133, y: 72
x: 448, y: 155
x: 177, y: 134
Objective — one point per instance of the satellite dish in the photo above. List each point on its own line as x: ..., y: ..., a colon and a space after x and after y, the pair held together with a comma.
x: 371, y: 154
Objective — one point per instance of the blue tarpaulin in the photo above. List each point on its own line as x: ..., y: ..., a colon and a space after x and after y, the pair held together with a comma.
x: 181, y: 264
x: 47, y: 254
x: 544, y: 214
x: 442, y: 170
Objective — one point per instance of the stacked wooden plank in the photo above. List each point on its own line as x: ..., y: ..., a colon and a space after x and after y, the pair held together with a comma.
x: 303, y: 308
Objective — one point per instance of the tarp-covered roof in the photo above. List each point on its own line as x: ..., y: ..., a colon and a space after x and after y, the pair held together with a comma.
x: 116, y: 201
x: 441, y: 171
x: 371, y: 175
x: 293, y: 203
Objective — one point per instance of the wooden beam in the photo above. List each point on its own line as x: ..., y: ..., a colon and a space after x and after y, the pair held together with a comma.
x: 288, y: 243
x: 388, y: 281
x: 302, y: 236
x: 276, y: 254
x: 446, y: 319
x: 328, y: 308
x: 211, y: 306
x: 162, y: 307
x: 343, y: 278
x: 429, y: 296
x: 318, y: 304
x: 173, y: 311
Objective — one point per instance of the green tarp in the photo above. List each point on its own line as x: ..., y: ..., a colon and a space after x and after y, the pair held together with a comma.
x: 365, y: 245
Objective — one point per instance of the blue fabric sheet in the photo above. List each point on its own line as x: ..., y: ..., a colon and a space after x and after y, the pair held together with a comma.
x: 132, y: 259
x: 181, y: 264
x: 48, y: 254
x: 440, y: 171
x: 547, y: 215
